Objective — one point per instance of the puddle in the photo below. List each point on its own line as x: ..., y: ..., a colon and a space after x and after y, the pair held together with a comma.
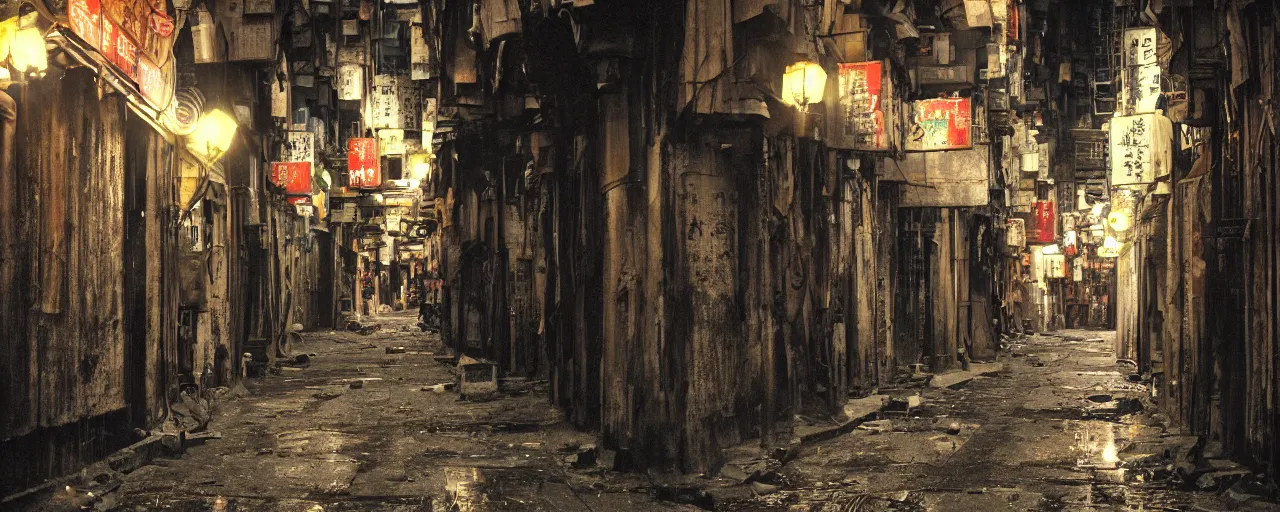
x: 311, y: 442
x: 464, y: 486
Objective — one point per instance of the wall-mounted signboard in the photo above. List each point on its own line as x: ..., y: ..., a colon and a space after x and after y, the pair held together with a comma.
x: 362, y: 163
x: 861, y: 102
x: 940, y: 124
x: 294, y: 177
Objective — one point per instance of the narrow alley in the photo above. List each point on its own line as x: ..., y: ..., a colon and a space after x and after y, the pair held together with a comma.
x: 802, y: 255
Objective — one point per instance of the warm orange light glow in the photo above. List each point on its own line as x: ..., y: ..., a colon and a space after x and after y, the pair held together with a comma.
x: 213, y: 135
x: 803, y: 84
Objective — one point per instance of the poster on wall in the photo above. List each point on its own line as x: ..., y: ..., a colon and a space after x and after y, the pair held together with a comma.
x: 395, y: 103
x: 294, y: 177
x: 362, y: 163
x: 940, y: 124
x: 1016, y: 232
x: 1141, y: 148
x: 862, y: 114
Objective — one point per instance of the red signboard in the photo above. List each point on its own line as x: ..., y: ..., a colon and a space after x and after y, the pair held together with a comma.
x: 295, y: 177
x: 1046, y: 222
x: 861, y: 107
x: 123, y: 31
x: 941, y: 124
x: 362, y: 163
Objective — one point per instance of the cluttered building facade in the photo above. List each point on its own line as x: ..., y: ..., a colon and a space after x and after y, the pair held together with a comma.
x: 699, y: 221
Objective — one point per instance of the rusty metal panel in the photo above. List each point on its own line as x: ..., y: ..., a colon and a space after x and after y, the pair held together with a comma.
x: 947, y: 178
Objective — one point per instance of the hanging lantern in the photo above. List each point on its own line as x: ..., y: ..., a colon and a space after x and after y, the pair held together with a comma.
x: 28, y: 53
x: 212, y: 135
x: 1119, y: 220
x: 803, y: 84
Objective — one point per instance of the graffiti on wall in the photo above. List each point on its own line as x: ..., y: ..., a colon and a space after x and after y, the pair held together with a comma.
x: 941, y: 124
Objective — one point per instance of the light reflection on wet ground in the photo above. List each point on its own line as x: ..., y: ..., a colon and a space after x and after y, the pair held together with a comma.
x: 1065, y: 433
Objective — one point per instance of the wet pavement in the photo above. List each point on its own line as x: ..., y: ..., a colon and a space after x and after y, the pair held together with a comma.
x: 1054, y: 424
x: 1057, y: 425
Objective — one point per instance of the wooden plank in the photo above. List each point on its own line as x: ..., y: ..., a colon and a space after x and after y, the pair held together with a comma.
x: 17, y: 351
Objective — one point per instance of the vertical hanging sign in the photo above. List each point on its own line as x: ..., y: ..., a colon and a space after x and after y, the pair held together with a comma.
x: 1141, y: 148
x: 941, y: 124
x: 419, y: 53
x: 362, y: 163
x: 1046, y: 222
x: 1141, y: 71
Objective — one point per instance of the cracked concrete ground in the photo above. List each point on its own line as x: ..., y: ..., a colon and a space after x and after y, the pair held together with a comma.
x: 1055, y: 424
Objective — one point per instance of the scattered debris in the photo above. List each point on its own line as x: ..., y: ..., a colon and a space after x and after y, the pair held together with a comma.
x: 584, y: 458
x: 477, y: 378
x: 439, y: 388
x: 363, y: 329
x: 327, y: 395
x: 763, y: 488
x: 902, y: 405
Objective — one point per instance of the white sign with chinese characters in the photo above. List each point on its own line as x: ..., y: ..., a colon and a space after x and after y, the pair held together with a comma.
x: 1141, y: 148
x: 299, y: 147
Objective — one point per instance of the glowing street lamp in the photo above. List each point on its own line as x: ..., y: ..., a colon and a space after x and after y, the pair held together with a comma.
x: 1119, y: 221
x: 212, y: 135
x: 803, y: 84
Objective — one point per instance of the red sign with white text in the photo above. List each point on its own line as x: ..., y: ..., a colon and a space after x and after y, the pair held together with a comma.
x: 362, y: 163
x: 129, y: 50
x: 294, y: 177
x: 1046, y: 222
